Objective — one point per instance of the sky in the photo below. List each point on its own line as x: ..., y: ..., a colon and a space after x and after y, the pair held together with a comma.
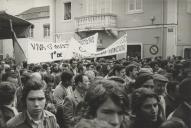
x: 14, y: 7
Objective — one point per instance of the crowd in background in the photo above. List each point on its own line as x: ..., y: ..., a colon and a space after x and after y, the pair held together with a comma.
x: 96, y: 93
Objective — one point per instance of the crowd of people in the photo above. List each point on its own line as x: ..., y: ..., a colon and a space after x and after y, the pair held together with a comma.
x: 97, y: 93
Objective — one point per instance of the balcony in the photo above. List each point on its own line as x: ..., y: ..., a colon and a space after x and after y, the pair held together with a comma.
x: 95, y: 22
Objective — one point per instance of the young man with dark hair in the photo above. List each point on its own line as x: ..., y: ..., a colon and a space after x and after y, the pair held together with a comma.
x: 33, y: 114
x: 146, y: 108
x: 60, y: 91
x: 107, y: 101
x: 69, y: 113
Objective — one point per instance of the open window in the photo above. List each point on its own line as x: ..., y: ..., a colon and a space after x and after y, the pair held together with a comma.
x: 67, y: 11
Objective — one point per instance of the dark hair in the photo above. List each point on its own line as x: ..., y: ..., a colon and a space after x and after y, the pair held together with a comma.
x: 117, y: 68
x: 185, y: 89
x: 48, y: 78
x: 139, y: 96
x: 7, y: 93
x: 140, y: 80
x: 78, y: 78
x: 130, y: 69
x: 66, y: 77
x: 100, y: 91
x: 31, y: 84
x: 171, y: 86
x: 72, y: 60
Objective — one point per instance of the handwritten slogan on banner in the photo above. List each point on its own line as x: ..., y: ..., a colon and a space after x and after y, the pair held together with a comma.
x: 47, y: 51
x: 90, y: 43
x: 118, y: 47
x: 62, y: 50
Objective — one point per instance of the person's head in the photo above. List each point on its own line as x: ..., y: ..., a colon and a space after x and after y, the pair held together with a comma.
x: 107, y: 101
x: 7, y: 93
x: 33, y: 97
x: 73, y: 63
x: 13, y: 77
x: 160, y: 82
x: 132, y: 71
x: 119, y: 70
x: 145, y: 105
x: 91, y: 75
x: 49, y: 79
x: 82, y: 81
x: 66, y: 78
x: 145, y: 79
x: 36, y: 75
x: 185, y: 89
x: 173, y: 123
x: 90, y: 66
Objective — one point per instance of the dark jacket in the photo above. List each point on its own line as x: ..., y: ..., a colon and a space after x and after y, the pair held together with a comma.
x: 5, y: 115
x: 183, y: 112
x: 22, y: 121
x: 70, y: 112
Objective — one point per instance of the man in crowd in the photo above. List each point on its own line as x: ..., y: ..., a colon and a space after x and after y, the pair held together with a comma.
x: 107, y: 101
x: 69, y: 112
x: 161, y: 82
x: 33, y: 115
x: 7, y: 102
x: 146, y: 107
x: 73, y: 66
x: 60, y: 91
x: 183, y: 111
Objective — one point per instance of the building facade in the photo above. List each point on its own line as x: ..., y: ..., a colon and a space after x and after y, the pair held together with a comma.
x: 154, y: 27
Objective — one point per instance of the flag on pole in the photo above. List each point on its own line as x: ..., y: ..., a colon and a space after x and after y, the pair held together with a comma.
x: 17, y: 50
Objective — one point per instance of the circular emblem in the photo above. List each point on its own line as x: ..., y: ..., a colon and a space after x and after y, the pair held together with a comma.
x: 154, y: 49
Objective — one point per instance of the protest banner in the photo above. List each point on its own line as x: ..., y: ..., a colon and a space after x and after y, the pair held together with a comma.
x: 78, y: 50
x: 118, y: 47
x: 90, y: 43
x: 47, y: 51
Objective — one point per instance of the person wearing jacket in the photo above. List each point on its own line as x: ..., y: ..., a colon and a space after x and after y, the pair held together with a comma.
x: 7, y: 102
x: 33, y: 115
x: 146, y: 108
x: 69, y: 113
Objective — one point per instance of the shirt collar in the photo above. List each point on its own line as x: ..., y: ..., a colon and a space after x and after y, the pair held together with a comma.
x: 31, y: 119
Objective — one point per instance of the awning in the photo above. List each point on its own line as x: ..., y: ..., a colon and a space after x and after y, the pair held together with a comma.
x: 20, y: 26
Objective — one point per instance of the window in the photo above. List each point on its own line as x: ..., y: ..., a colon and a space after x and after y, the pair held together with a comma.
x: 134, y: 6
x: 46, y: 30
x: 92, y: 7
x: 67, y: 11
x: 31, y: 31
x: 189, y: 6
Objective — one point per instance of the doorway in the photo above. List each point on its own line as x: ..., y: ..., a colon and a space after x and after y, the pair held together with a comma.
x: 134, y: 50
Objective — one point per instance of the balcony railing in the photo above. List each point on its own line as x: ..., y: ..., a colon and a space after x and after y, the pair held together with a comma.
x: 96, y: 21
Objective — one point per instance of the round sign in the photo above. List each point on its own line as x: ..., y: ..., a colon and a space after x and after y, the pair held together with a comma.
x: 154, y: 49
